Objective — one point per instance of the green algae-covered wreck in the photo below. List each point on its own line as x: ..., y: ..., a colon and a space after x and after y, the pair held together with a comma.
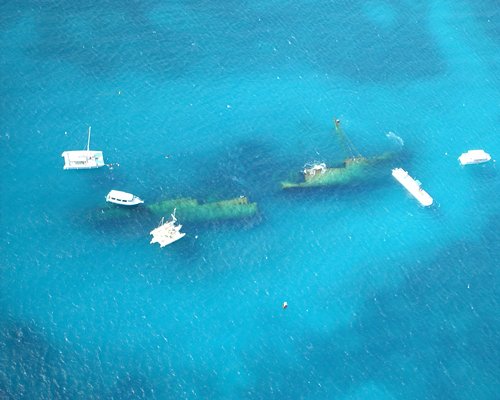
x: 191, y: 210
x: 188, y: 210
x: 354, y: 169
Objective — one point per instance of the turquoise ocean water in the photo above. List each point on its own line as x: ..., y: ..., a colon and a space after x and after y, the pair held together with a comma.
x: 387, y: 300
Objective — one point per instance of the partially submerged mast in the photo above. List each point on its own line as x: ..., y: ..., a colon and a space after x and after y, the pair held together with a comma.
x: 345, y: 142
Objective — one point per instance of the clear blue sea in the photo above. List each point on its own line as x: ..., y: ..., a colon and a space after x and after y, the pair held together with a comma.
x: 386, y: 299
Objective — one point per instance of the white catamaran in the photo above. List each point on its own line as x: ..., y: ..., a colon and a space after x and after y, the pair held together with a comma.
x: 167, y: 232
x: 83, y: 159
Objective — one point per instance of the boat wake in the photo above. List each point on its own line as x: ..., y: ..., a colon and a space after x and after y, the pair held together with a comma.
x: 392, y: 136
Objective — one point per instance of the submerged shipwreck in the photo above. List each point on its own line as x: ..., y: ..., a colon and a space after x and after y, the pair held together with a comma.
x: 192, y: 210
x: 354, y: 169
x: 187, y: 210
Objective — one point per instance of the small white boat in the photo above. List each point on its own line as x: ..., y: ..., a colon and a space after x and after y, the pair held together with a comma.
x: 123, y: 198
x: 314, y: 169
x: 474, y: 157
x: 83, y: 159
x: 167, y: 232
x: 413, y: 186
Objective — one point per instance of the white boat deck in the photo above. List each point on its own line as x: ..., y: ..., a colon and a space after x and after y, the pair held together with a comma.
x: 412, y: 186
x: 83, y: 159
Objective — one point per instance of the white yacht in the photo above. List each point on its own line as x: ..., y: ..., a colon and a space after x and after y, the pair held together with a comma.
x: 167, y: 232
x: 474, y: 157
x: 83, y: 159
x: 413, y: 186
x: 123, y: 198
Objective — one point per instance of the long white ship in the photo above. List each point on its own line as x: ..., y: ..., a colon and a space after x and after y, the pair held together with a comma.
x: 413, y: 186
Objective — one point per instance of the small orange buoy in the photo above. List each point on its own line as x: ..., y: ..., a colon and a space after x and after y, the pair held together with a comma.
x: 285, y: 305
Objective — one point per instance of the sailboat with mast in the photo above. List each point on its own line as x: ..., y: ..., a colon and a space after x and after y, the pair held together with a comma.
x: 83, y: 159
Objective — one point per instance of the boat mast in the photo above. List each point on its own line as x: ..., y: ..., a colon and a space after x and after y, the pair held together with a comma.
x: 344, y: 140
x: 88, y: 140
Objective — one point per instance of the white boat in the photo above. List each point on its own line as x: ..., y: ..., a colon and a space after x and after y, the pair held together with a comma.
x: 413, y: 186
x: 123, y: 198
x: 83, y: 159
x: 474, y: 157
x: 314, y: 169
x: 167, y: 232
